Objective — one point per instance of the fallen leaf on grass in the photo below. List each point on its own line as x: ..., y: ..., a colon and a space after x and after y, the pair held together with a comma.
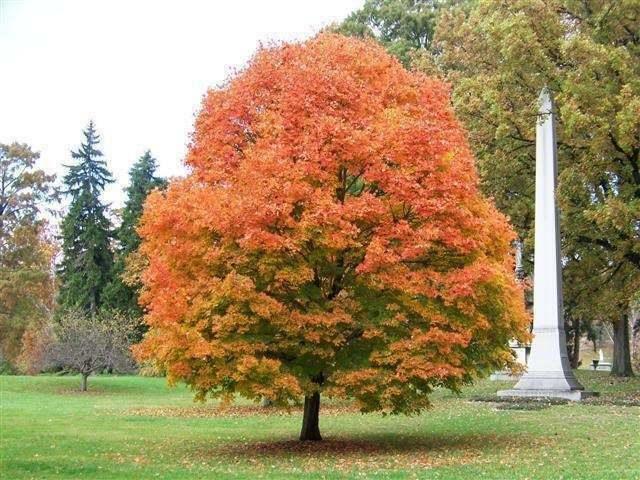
x: 233, y: 411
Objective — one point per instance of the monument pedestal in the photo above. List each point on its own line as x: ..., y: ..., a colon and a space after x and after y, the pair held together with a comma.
x: 550, y: 384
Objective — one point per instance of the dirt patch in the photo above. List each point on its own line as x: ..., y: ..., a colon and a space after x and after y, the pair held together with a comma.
x: 619, y: 399
x: 627, y: 399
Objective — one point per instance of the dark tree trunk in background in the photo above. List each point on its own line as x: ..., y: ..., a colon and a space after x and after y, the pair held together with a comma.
x: 575, y: 350
x: 311, y: 417
x: 621, y: 348
x: 83, y: 386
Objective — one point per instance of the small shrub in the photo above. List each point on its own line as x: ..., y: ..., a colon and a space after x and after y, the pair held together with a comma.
x: 89, y: 344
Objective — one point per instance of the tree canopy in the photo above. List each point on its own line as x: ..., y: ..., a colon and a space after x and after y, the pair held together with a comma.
x: 404, y: 27
x: 330, y: 238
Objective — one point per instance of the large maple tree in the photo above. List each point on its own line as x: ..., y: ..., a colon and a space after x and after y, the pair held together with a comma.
x: 330, y: 238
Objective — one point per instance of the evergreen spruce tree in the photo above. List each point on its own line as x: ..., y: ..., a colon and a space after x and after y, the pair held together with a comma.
x: 86, y: 230
x: 120, y: 295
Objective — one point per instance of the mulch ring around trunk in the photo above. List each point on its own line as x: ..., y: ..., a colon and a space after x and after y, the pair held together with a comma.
x: 626, y: 399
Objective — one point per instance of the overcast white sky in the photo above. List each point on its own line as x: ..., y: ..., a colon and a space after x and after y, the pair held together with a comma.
x: 138, y: 68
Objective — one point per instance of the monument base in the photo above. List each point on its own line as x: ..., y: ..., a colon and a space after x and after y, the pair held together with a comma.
x: 573, y: 395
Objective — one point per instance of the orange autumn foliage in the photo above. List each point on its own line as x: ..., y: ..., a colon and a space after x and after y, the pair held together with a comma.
x: 330, y: 237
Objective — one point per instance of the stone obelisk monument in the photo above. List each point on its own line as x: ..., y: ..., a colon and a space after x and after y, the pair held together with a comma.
x: 548, y: 373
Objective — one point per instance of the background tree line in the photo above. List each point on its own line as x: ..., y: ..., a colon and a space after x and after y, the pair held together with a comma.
x: 497, y: 56
x: 86, y: 294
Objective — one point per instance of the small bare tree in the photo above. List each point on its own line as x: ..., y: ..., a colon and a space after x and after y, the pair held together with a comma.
x: 88, y: 344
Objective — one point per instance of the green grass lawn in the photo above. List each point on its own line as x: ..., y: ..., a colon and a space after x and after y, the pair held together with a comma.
x: 134, y: 427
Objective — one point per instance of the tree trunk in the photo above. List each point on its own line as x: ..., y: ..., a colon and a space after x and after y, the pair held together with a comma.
x: 83, y: 385
x: 621, y: 366
x: 310, y: 419
x: 575, y: 350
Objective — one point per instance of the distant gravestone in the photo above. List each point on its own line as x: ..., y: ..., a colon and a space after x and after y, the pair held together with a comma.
x: 548, y: 371
x: 602, y: 365
x: 520, y: 351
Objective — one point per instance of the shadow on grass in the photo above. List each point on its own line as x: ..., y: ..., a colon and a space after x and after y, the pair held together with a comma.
x: 373, y: 452
x: 96, y: 386
x: 375, y: 444
x: 63, y: 384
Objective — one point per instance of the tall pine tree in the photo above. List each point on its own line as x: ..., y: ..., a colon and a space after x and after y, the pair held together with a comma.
x: 87, y: 262
x: 121, y: 295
